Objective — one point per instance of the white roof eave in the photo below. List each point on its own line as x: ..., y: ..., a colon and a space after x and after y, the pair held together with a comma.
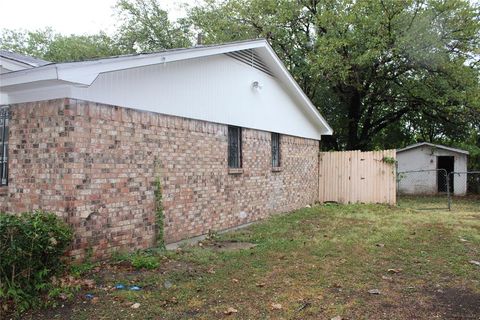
x: 13, y: 65
x: 439, y: 146
x: 28, y: 75
x: 84, y: 73
x: 298, y: 91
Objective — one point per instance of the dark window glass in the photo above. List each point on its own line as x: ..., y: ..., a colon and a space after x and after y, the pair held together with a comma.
x: 234, y: 147
x: 275, y: 150
x: 4, y: 146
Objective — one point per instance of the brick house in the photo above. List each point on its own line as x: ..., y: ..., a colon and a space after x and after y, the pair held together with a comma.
x: 225, y: 128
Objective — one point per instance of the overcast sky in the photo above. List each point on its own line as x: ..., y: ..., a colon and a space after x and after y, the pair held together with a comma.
x: 69, y: 16
x: 73, y: 16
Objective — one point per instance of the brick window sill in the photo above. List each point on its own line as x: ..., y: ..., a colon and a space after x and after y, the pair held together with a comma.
x: 3, y: 191
x: 276, y: 169
x: 235, y: 170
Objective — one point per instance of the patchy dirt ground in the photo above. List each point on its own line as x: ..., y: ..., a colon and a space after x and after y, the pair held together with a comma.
x: 226, y: 246
x: 349, y: 262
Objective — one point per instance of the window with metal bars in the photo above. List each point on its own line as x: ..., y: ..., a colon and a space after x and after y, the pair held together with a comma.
x: 4, y: 115
x: 234, y: 147
x: 275, y: 150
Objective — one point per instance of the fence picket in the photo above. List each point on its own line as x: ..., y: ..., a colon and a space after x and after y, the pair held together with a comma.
x: 355, y: 176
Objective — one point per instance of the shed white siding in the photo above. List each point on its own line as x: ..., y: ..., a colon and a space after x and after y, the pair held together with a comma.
x: 425, y: 158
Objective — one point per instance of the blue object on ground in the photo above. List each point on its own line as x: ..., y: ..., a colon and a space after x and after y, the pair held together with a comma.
x: 89, y: 296
x: 134, y: 288
x: 119, y: 286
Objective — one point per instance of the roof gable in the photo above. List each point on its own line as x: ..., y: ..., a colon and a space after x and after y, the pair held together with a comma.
x: 83, y: 74
x: 12, y: 61
x: 439, y: 146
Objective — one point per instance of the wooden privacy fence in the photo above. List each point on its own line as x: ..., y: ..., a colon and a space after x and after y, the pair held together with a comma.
x: 355, y: 176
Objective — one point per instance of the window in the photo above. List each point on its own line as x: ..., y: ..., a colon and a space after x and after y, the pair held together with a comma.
x: 275, y: 150
x: 234, y: 147
x: 4, y: 146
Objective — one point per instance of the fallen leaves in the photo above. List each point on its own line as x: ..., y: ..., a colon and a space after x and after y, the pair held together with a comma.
x: 135, y: 305
x: 394, y: 270
x: 70, y: 281
x: 374, y: 291
x: 276, y: 306
x: 477, y: 263
x: 211, y: 271
x: 89, y: 283
x: 338, y: 287
x: 305, y: 304
x: 230, y: 311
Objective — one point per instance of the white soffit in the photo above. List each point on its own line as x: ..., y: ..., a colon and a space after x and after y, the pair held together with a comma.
x: 84, y: 73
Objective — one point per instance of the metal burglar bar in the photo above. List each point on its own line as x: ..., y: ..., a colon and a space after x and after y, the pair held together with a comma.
x: 234, y: 147
x: 275, y: 150
x: 4, y: 117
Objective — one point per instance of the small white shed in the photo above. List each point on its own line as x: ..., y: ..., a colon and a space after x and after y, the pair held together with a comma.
x: 419, y: 167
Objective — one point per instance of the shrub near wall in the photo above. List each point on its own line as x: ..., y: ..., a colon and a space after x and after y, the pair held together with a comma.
x: 31, y: 248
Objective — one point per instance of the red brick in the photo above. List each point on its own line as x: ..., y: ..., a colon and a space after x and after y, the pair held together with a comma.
x: 100, y: 176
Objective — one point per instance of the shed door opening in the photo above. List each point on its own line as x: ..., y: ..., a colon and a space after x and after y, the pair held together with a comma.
x: 446, y: 163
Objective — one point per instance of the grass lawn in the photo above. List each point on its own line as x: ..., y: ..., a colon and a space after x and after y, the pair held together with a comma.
x: 314, y: 263
x: 440, y: 203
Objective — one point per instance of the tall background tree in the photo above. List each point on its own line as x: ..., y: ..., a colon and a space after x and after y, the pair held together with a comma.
x: 385, y: 73
x: 146, y: 27
x: 51, y: 46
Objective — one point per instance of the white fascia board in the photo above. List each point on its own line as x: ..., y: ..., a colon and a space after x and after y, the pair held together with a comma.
x: 39, y: 94
x: 438, y: 146
x: 298, y: 91
x: 87, y: 73
x: 84, y: 73
x: 28, y: 75
x: 13, y: 65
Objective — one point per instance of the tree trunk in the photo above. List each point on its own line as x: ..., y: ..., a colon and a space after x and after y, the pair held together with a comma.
x: 354, y: 114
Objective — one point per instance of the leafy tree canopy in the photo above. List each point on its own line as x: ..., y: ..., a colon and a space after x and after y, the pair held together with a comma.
x: 382, y: 72
x: 51, y: 46
x: 146, y: 27
x: 385, y: 73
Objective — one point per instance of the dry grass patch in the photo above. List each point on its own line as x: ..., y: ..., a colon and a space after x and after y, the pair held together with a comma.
x: 314, y: 263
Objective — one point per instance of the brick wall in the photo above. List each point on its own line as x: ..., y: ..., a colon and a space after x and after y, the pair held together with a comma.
x: 94, y: 165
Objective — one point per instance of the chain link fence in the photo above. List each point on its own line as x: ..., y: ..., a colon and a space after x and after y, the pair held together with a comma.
x: 465, y: 195
x: 439, y: 190
x: 423, y: 189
